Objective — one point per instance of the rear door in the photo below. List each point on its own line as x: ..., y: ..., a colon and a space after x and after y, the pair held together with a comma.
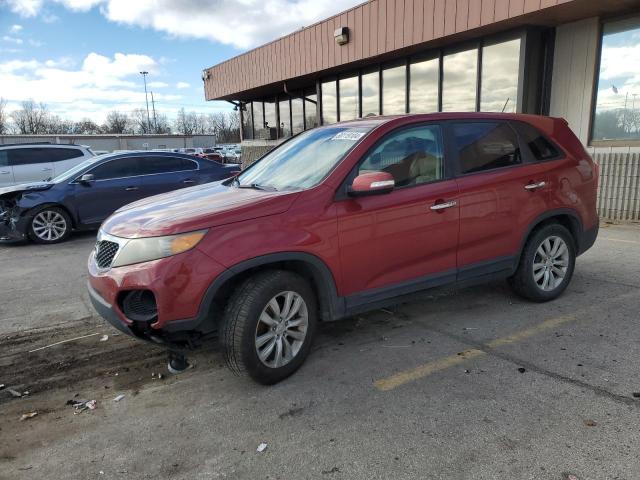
x: 31, y: 164
x: 65, y: 158
x: 164, y: 173
x: 6, y: 170
x: 501, y: 193
x: 116, y: 183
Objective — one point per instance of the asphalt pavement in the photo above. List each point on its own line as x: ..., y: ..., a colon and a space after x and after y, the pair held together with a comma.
x: 469, y: 384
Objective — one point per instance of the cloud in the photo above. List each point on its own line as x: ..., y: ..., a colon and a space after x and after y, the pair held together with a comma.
x: 260, y: 21
x: 16, y: 40
x: 15, y: 29
x: 93, y: 86
x: 25, y: 8
x: 157, y: 85
x: 182, y: 85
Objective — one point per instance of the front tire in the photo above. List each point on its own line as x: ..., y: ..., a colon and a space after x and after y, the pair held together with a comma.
x: 50, y: 225
x: 546, y: 265
x: 268, y: 326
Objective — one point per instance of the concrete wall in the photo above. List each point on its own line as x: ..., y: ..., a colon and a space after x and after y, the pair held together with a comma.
x: 252, y: 150
x: 117, y: 142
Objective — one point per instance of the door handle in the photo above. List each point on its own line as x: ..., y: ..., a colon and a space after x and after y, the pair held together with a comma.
x: 535, y: 186
x: 188, y: 181
x: 131, y: 189
x: 441, y: 206
x: 4, y: 172
x: 47, y: 169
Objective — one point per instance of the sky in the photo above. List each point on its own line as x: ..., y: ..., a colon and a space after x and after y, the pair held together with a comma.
x: 83, y: 57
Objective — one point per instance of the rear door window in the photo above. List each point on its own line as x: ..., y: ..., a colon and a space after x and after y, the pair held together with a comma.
x: 29, y: 156
x: 162, y: 164
x: 119, y: 168
x: 483, y: 146
x: 60, y: 154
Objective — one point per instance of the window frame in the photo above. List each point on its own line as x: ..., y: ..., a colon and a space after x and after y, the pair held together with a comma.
x: 455, y: 156
x: 630, y: 142
x: 448, y: 174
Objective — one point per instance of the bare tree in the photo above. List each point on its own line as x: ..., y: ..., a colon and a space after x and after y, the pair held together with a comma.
x: 139, y: 123
x: 116, y: 122
x: 162, y: 124
x: 32, y: 118
x: 189, y: 123
x: 4, y: 117
x: 225, y: 126
x: 86, y: 126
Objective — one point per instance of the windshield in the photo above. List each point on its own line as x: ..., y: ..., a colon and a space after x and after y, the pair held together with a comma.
x: 69, y: 174
x: 303, y: 161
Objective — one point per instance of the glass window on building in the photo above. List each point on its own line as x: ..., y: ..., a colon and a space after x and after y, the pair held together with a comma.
x: 371, y: 94
x: 348, y: 88
x: 329, y: 102
x: 270, y: 115
x: 247, y: 122
x: 423, y: 86
x: 258, y: 121
x: 284, y: 128
x: 459, y: 81
x: 617, y: 110
x: 310, y: 109
x: 394, y: 90
x: 500, y: 72
x: 297, y: 116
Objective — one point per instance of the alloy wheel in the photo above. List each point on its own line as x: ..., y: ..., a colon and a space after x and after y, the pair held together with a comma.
x: 49, y: 226
x: 282, y: 329
x: 550, y: 263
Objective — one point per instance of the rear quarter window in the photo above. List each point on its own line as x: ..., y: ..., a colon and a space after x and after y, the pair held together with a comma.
x: 541, y: 147
x: 60, y: 154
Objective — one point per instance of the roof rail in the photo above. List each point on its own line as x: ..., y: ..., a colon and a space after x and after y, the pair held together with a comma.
x: 26, y: 143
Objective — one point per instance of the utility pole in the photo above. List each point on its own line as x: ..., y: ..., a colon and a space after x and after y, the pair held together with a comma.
x: 144, y: 76
x: 155, y: 120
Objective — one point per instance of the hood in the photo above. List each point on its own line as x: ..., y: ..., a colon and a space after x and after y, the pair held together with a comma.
x: 26, y: 187
x: 195, y: 208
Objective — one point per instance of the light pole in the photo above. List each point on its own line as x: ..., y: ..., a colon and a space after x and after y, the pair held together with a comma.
x: 144, y: 76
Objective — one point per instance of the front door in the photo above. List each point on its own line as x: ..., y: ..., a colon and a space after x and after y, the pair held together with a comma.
x: 501, y: 193
x: 404, y: 240
x: 115, y: 184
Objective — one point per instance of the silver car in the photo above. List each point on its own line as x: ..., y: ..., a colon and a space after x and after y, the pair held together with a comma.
x: 25, y: 163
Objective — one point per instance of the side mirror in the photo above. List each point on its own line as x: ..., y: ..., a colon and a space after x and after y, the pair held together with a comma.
x: 373, y: 183
x: 86, y: 178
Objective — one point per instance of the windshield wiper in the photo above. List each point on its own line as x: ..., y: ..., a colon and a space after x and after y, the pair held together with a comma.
x: 257, y: 186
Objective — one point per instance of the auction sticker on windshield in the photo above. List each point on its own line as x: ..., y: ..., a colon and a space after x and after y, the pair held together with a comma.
x: 348, y: 135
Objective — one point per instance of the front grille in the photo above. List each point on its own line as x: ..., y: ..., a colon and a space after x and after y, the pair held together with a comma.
x: 105, y: 252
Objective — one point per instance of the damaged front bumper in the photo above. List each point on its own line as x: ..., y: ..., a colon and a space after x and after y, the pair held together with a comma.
x: 13, y: 227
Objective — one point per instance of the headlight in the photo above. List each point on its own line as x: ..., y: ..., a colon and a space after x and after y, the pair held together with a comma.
x: 140, y: 250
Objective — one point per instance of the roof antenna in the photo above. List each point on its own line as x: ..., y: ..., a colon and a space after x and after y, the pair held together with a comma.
x: 505, y: 104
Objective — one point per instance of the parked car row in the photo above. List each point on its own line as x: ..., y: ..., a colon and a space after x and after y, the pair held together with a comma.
x: 83, y: 196
x: 342, y: 219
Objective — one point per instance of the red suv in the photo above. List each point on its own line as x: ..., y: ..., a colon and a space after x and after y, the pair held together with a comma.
x: 347, y: 218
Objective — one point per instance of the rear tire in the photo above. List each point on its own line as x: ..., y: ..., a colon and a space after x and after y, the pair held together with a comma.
x: 268, y: 326
x: 50, y: 225
x: 546, y: 264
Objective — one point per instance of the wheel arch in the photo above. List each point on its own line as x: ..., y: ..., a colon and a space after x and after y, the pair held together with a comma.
x: 312, y: 268
x: 566, y: 217
x: 33, y: 211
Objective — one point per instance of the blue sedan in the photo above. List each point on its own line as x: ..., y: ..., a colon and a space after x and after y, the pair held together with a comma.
x: 81, y: 198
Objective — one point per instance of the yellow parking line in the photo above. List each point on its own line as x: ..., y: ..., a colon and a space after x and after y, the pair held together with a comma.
x: 440, y: 364
x: 620, y: 240
x: 427, y: 369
